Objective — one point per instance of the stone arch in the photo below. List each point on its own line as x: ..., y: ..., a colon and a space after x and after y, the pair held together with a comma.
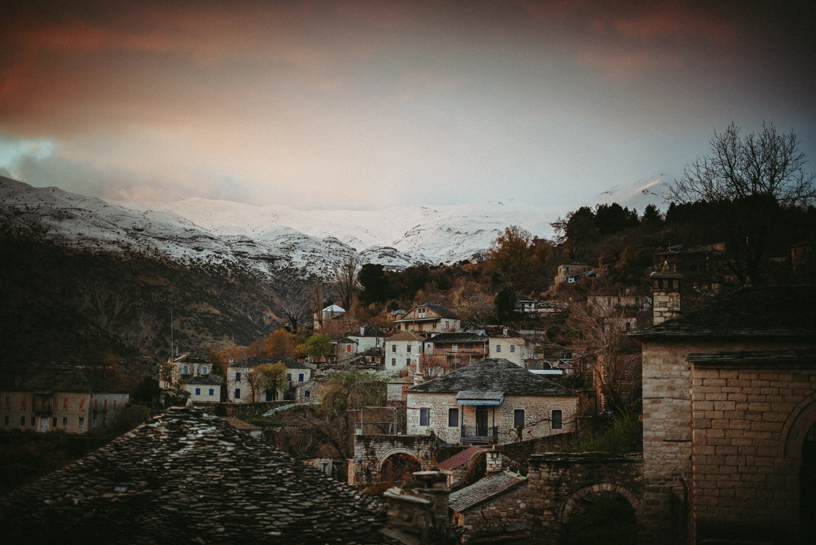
x: 799, y: 421
x: 599, y: 488
x: 397, y: 451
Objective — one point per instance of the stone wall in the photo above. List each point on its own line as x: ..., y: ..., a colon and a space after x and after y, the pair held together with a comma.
x: 669, y: 429
x: 745, y: 483
x: 370, y: 451
x: 537, y: 415
x: 540, y: 508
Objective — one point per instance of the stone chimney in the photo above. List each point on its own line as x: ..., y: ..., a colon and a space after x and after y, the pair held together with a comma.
x: 494, y: 460
x: 665, y: 294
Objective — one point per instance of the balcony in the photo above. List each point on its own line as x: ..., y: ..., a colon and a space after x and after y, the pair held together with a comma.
x: 479, y: 434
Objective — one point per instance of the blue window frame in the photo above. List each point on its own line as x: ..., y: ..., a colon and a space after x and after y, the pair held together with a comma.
x: 307, y: 393
x: 237, y: 377
x: 237, y: 393
x: 498, y: 348
x: 198, y: 391
x: 212, y: 391
x: 300, y: 377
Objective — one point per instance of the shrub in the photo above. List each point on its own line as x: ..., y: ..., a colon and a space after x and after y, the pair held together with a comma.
x: 625, y: 434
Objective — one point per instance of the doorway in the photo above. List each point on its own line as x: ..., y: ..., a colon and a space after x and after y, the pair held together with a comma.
x: 481, y: 421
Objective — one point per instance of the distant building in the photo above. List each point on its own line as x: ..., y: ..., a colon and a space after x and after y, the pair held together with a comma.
x: 572, y: 271
x: 401, y: 350
x: 332, y: 313
x: 429, y: 319
x: 240, y: 382
x: 60, y: 397
x: 204, y: 389
x: 456, y: 349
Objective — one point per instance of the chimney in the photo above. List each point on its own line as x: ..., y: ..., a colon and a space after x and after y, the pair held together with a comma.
x: 494, y: 460
x: 665, y: 294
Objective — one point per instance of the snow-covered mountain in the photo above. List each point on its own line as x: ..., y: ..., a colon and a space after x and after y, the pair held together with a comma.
x: 267, y: 239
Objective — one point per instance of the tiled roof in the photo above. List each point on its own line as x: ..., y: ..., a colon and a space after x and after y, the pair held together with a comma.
x: 767, y: 311
x: 492, y: 375
x: 438, y: 309
x: 482, y: 490
x: 459, y: 459
x: 405, y: 336
x: 185, y: 477
x: 255, y: 361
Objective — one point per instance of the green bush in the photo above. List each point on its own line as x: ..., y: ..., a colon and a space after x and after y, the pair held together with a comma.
x: 624, y: 434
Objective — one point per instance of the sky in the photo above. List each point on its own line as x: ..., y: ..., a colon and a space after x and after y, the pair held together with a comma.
x: 365, y: 104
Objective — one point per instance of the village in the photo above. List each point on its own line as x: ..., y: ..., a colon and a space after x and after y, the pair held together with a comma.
x: 445, y: 433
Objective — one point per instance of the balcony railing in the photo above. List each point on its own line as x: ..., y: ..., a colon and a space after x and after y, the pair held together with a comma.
x: 479, y: 434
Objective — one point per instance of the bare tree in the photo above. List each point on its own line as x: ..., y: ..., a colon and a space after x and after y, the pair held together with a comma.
x: 764, y: 164
x: 598, y: 336
x: 345, y: 281
x: 317, y: 295
x: 295, y: 302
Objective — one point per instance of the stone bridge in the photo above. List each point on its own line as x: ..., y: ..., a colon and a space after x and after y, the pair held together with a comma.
x: 372, y: 451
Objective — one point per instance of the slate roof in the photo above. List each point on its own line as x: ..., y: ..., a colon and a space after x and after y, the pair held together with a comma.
x: 767, y: 311
x: 438, y: 309
x: 57, y: 378
x: 257, y: 360
x: 484, y: 489
x: 458, y: 338
x: 185, y: 477
x: 492, y: 375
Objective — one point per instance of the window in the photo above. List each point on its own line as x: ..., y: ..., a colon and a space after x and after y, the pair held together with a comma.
x: 407, y: 361
x: 454, y: 348
x: 468, y: 346
x: 96, y: 404
x: 424, y: 417
x: 81, y: 404
x: 393, y: 362
x: 106, y: 404
x: 114, y: 404
x: 557, y: 420
x: 393, y: 348
x: 198, y: 391
x: 22, y: 421
x: 300, y: 377
x: 408, y: 349
x: 237, y: 377
x: 212, y: 391
x: 81, y: 422
x: 237, y: 393
x: 204, y: 370
x: 64, y: 422
x: 307, y: 393
x: 53, y: 421
x: 185, y: 370
x: 65, y: 404
x: 268, y: 396
x: 518, y: 418
x: 453, y: 418
x: 512, y: 348
x: 498, y: 348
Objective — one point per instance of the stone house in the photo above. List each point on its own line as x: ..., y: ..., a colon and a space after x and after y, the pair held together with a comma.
x: 344, y: 348
x: 367, y: 337
x: 395, y: 390
x: 306, y: 392
x: 525, y: 304
x: 60, y: 397
x: 729, y: 417
x: 572, y: 271
x: 182, y: 368
x: 204, y: 389
x: 429, y: 319
x: 402, y: 350
x: 512, y: 347
x: 492, y: 400
x: 456, y: 349
x: 330, y: 314
x: 240, y: 382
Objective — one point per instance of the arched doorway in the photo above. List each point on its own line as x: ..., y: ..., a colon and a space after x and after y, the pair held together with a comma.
x: 398, y: 467
x: 603, y: 513
x: 807, y: 488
